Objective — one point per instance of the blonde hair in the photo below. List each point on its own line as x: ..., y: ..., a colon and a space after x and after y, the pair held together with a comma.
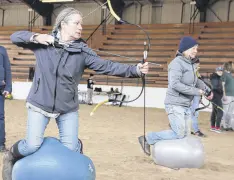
x: 64, y: 15
x: 185, y: 54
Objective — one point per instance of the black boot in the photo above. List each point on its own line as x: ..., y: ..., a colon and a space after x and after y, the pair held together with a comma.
x: 144, y: 145
x: 3, y: 148
x: 9, y: 159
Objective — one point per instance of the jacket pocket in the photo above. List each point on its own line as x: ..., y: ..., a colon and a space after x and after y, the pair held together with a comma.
x: 74, y: 96
x: 37, y: 86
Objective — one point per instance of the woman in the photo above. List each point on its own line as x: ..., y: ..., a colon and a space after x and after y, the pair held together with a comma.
x: 217, y: 89
x: 183, y: 85
x: 228, y: 97
x: 54, y: 89
x: 5, y: 90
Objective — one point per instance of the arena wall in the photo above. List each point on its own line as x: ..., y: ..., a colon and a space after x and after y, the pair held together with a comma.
x: 154, y: 96
x: 171, y: 11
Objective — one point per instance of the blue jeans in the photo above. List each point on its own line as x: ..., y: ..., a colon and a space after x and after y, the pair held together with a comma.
x: 180, y: 121
x: 2, y: 121
x: 195, y: 105
x: 36, y: 125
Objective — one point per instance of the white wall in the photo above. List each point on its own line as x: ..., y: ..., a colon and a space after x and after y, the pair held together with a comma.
x: 17, y: 15
x: 146, y: 14
x: 231, y: 18
x: 188, y: 10
x: 154, y: 96
x: 85, y: 9
x: 170, y: 12
x: 174, y: 7
x: 131, y: 14
x: 220, y: 8
x: 156, y: 15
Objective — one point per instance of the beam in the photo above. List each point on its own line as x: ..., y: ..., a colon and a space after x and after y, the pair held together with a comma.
x: 139, y: 2
x: 128, y: 5
x: 215, y: 14
x: 214, y: 2
x: 149, y: 1
x: 97, y: 2
x: 44, y: 9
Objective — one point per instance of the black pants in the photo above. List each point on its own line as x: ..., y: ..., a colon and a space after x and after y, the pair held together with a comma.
x: 217, y: 113
x: 2, y: 119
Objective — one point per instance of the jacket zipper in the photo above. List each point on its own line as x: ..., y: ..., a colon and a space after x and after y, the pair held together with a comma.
x: 194, y: 76
x: 56, y: 75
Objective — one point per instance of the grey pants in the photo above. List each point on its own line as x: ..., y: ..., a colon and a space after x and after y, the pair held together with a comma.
x: 89, y: 96
x: 228, y: 116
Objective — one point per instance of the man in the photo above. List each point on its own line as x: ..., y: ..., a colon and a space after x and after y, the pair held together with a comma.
x: 5, y: 90
x: 90, y: 83
x: 228, y: 97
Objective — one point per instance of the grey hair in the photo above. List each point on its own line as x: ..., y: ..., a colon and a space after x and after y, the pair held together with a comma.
x: 64, y: 15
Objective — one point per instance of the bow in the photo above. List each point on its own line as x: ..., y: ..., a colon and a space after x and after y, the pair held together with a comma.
x: 210, y: 102
x: 201, y: 108
x: 145, y: 55
x: 207, y: 92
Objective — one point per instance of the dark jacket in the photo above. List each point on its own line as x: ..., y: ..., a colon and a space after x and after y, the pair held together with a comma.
x: 217, y: 87
x: 58, y: 72
x: 5, y: 71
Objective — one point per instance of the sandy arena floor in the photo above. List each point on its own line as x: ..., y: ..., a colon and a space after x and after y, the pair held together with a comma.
x: 110, y: 140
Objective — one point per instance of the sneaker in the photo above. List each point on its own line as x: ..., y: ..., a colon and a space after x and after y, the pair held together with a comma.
x: 144, y: 145
x: 8, y: 162
x: 212, y: 129
x: 218, y: 130
x: 3, y: 149
x: 200, y: 134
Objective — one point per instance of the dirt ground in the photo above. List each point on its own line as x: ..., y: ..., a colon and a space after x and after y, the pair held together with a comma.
x: 110, y: 140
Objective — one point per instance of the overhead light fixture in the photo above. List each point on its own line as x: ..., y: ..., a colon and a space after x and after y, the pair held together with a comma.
x: 55, y: 1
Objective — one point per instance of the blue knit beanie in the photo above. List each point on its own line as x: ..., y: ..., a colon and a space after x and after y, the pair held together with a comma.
x: 186, y: 43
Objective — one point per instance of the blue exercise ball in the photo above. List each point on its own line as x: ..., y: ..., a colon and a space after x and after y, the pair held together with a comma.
x: 54, y: 161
